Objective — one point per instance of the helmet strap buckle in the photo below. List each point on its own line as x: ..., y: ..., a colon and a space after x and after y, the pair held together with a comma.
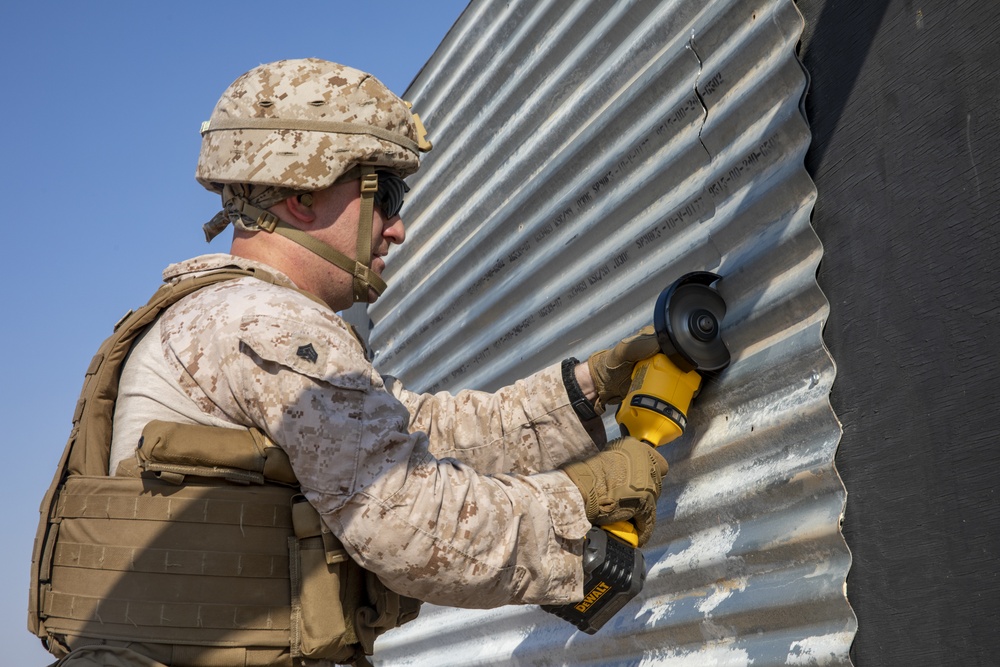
x: 369, y: 183
x: 266, y: 221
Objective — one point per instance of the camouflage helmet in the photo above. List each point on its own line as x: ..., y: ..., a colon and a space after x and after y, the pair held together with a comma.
x: 302, y: 124
x: 296, y: 126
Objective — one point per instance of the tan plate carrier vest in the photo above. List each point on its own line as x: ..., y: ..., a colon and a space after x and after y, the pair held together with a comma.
x: 210, y: 558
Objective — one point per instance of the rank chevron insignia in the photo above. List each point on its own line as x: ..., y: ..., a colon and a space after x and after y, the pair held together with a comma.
x: 307, y: 352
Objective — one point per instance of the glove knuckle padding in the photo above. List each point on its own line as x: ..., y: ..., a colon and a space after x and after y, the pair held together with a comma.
x: 620, y: 483
x: 611, y: 370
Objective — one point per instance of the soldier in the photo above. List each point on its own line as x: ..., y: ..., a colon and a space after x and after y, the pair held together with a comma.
x: 251, y: 491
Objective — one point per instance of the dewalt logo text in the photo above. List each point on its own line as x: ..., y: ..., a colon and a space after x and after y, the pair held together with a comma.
x: 593, y: 596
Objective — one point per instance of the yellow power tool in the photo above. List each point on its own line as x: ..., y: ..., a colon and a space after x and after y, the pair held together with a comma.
x: 688, y: 323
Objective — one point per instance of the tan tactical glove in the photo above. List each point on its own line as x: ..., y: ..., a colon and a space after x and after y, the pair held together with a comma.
x: 621, y: 483
x: 611, y: 370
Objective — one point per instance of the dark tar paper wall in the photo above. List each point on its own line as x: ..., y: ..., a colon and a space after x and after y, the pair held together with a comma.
x: 904, y: 106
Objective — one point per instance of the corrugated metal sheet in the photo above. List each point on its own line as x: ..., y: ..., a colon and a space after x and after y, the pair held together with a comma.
x: 587, y: 154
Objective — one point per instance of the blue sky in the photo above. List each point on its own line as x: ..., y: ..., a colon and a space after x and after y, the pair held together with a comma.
x: 100, y: 137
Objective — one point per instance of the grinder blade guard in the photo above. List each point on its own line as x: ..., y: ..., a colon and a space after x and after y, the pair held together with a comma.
x: 688, y: 323
x: 688, y: 319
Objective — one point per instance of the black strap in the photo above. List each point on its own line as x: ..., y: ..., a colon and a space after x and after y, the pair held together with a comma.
x: 584, y: 408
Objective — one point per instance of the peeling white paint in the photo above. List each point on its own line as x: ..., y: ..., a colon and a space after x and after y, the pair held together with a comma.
x: 819, y: 650
x: 710, y: 656
x: 720, y: 593
x: 707, y: 547
x: 743, y: 478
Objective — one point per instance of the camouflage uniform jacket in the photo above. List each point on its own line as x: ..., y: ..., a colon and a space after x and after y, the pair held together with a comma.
x: 444, y: 497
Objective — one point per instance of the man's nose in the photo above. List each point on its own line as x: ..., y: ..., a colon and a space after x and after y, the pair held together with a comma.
x: 395, y: 232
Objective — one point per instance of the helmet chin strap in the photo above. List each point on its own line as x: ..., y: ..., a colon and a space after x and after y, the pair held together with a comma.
x: 366, y: 219
x: 360, y: 268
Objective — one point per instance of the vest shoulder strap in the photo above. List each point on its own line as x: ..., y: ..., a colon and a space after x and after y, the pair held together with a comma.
x: 94, y: 416
x: 88, y: 449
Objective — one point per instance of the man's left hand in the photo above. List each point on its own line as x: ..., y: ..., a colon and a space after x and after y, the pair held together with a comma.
x: 611, y: 370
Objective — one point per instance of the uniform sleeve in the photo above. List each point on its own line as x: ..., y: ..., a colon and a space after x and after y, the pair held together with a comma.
x: 526, y: 427
x: 431, y: 527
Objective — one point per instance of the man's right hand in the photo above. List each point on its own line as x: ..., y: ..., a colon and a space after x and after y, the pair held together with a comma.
x: 621, y: 483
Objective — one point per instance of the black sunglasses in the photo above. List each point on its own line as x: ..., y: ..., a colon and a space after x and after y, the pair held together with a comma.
x: 391, y: 190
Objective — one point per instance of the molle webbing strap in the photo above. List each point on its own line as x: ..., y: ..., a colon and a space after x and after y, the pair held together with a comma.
x: 149, y: 561
x: 333, y: 127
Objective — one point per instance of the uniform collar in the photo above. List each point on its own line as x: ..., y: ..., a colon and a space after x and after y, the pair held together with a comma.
x: 215, y: 261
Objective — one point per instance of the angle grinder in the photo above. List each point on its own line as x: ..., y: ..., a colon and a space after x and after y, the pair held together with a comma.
x: 687, y: 320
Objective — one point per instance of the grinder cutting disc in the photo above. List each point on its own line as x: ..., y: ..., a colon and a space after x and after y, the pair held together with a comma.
x: 688, y: 321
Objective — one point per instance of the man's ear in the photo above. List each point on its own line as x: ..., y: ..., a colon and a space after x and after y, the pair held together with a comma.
x: 298, y: 207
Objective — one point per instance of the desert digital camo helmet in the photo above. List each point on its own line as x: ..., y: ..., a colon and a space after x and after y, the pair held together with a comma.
x: 297, y: 126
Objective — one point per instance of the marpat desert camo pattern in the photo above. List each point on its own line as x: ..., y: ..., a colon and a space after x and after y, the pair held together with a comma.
x: 441, y: 496
x: 304, y: 90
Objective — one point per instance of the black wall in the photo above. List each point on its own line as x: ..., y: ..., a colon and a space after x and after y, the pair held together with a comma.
x: 904, y: 105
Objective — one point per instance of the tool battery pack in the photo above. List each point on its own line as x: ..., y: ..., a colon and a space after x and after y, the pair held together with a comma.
x: 614, y: 571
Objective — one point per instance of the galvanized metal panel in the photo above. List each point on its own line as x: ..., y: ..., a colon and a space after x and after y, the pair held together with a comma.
x: 586, y: 154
